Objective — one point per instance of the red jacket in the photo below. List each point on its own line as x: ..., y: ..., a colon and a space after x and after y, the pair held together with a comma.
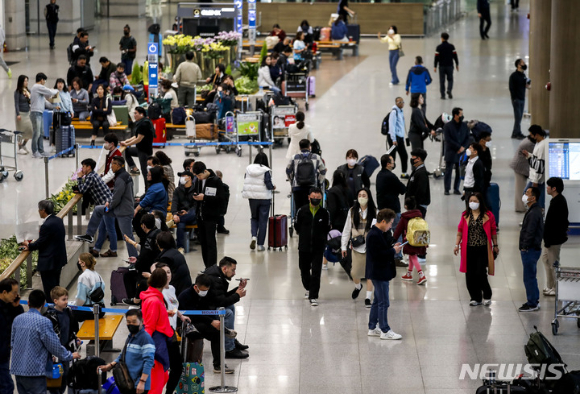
x: 155, y: 317
x: 402, y: 230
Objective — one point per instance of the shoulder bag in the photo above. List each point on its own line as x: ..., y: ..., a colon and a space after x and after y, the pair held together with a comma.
x: 123, y: 380
x: 401, y: 53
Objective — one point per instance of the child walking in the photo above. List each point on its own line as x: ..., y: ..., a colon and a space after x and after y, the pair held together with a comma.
x: 411, y: 251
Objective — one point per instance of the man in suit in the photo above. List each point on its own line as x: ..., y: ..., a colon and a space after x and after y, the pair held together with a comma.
x: 456, y: 135
x: 51, y: 247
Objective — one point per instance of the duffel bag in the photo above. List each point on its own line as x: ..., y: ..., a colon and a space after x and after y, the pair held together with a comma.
x: 202, y: 117
x: 178, y: 115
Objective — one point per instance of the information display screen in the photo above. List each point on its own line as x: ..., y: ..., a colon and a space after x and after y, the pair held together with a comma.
x: 564, y: 160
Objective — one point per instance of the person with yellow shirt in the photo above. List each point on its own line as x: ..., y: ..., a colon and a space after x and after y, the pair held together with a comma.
x: 394, y: 41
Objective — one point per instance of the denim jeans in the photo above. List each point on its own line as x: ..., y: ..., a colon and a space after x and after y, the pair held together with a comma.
x: 229, y: 320
x: 31, y: 384
x: 37, y: 132
x: 542, y: 187
x: 400, y: 239
x: 128, y: 66
x: 106, y: 227
x: 6, y: 383
x: 260, y: 210
x: 530, y: 262
x: 184, y: 220
x: 393, y: 60
x: 518, y: 114
x: 127, y: 229
x: 380, y: 306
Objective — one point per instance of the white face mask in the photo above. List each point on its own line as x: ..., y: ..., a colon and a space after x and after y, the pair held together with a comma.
x: 391, y: 31
x: 468, y: 152
x: 182, y: 180
x: 107, y: 146
x: 488, y: 144
x: 363, y: 201
x: 203, y: 293
x: 351, y: 162
x: 525, y: 199
x: 474, y: 206
x: 149, y: 168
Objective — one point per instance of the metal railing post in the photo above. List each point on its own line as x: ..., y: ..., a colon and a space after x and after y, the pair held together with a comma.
x: 70, y: 225
x: 80, y: 216
x: 96, y: 316
x: 223, y: 388
x: 77, y: 153
x: 46, y: 176
x: 28, y: 271
x: 270, y: 149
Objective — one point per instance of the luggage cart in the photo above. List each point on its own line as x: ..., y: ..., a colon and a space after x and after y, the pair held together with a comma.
x: 440, y: 170
x: 567, y: 295
x: 9, y: 150
x: 195, y: 134
x: 248, y: 126
x: 297, y: 86
x: 281, y: 117
x: 229, y: 133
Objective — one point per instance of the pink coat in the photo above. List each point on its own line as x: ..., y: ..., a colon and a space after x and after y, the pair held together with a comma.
x: 490, y: 229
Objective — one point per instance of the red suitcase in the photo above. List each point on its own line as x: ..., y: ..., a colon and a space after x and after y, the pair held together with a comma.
x: 278, y: 232
x: 160, y: 132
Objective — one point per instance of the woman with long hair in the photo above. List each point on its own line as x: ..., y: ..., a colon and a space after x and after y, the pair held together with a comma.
x: 165, y: 162
x: 420, y: 127
x: 258, y: 190
x: 22, y: 106
x: 354, y: 234
x: 65, y: 106
x: 265, y: 77
x: 80, y: 99
x: 298, y: 132
x: 477, y: 241
x: 101, y: 107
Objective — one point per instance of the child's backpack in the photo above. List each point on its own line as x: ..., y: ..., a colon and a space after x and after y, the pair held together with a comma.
x: 418, y: 233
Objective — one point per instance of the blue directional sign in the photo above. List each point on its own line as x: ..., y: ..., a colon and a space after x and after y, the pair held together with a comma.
x: 152, y: 48
x: 153, y: 75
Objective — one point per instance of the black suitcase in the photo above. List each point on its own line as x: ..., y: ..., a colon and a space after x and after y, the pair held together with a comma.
x: 354, y: 32
x: 65, y: 138
x: 568, y: 384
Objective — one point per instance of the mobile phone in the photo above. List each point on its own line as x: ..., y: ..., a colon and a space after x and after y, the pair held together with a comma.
x: 403, y: 244
x: 128, y: 261
x: 241, y: 279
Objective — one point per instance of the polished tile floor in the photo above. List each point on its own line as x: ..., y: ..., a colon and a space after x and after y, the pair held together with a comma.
x: 295, y: 348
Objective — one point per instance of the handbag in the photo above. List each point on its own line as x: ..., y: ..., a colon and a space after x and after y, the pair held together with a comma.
x: 407, y: 141
x: 357, y: 241
x: 65, y: 119
x: 401, y: 53
x: 97, y: 295
x: 112, y: 118
x: 123, y: 380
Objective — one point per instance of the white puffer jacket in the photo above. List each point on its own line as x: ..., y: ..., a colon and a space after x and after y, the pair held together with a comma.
x: 254, y: 185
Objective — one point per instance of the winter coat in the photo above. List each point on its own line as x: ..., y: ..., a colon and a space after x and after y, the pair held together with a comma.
x: 255, y: 187
x: 490, y: 228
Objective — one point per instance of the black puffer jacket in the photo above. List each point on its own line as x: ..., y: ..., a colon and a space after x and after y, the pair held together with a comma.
x: 180, y: 275
x: 182, y: 199
x: 218, y: 295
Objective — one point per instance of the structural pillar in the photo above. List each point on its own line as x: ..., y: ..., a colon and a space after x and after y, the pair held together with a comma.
x: 564, y: 55
x: 14, y: 24
x: 540, y: 25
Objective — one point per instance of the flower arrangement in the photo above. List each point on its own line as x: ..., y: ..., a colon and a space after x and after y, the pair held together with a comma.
x: 8, y: 253
x: 228, y: 38
x: 215, y: 50
x: 62, y: 198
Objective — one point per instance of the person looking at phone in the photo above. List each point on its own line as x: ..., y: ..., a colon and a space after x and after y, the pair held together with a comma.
x: 183, y: 206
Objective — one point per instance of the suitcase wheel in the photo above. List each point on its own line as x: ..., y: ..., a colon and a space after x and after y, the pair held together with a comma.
x: 196, y: 154
x: 18, y: 176
x: 186, y: 154
x: 217, y: 150
x: 306, y: 105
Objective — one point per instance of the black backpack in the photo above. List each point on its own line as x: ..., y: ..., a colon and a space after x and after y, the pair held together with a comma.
x: 82, y: 375
x: 315, y: 148
x: 385, y: 125
x: 154, y: 111
x: 305, y: 171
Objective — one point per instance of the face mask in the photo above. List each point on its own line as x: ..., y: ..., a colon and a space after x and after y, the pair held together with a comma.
x: 394, y: 166
x: 202, y: 293
x: 315, y: 201
x: 127, y: 33
x: 182, y: 180
x: 525, y: 199
x: 363, y: 200
x: 391, y: 31
x: 351, y: 162
x: 412, y: 162
x: 468, y: 152
x: 158, y: 223
x: 133, y: 329
x: 461, y: 119
x: 488, y: 144
x: 525, y: 67
x: 79, y: 266
x: 107, y: 146
x: 149, y: 168
x: 474, y: 206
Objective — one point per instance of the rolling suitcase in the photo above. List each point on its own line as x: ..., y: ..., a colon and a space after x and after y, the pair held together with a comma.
x: 193, y: 376
x: 277, y: 230
x: 312, y: 86
x: 325, y: 34
x: 160, y: 132
x: 47, y: 123
x: 353, y: 31
x: 64, y: 139
x: 494, y: 200
x: 118, y: 291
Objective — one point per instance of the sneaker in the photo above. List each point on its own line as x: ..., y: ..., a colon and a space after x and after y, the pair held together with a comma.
x: 135, y: 171
x: 368, y: 303
x: 400, y: 263
x: 442, y: 97
x: 528, y: 308
x: 22, y: 151
x: 109, y: 253
x: 129, y: 301
x: 457, y: 192
x: 181, y: 250
x: 450, y: 95
x: 391, y: 84
x: 25, y: 149
x: 37, y: 155
x: 391, y: 335
x: 84, y: 238
x: 407, y: 276
x: 422, y: 280
x: 551, y: 292
x: 237, y: 353
x: 486, y: 302
x: 325, y: 266
x: 314, y: 302
x: 9, y: 72
x: 261, y: 248
x: 240, y: 346
x: 446, y: 192
x: 356, y: 292
x: 307, y: 295
x: 230, y: 333
x: 376, y: 332
x: 92, y: 142
x: 474, y: 303
x: 227, y: 371
x: 253, y: 243
x: 404, y: 176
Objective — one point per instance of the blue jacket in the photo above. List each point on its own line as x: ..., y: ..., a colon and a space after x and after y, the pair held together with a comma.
x: 418, y: 79
x: 155, y: 199
x: 380, y: 256
x: 140, y: 356
x: 339, y: 31
x: 456, y: 136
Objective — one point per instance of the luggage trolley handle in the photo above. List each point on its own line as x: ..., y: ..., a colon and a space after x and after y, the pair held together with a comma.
x: 274, y: 192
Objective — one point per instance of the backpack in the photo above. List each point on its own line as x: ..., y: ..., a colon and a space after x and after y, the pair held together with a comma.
x: 540, y: 351
x: 154, y: 111
x: 463, y: 160
x: 315, y: 147
x: 370, y: 164
x: 305, y: 171
x: 82, y: 375
x: 178, y: 116
x: 385, y: 125
x: 418, y: 233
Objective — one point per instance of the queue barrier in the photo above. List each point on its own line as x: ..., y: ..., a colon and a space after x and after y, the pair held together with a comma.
x: 221, y: 312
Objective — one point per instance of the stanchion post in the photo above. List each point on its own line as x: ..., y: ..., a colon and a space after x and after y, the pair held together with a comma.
x: 223, y: 388
x: 96, y: 316
x: 250, y: 153
x: 46, y: 176
x: 270, y: 149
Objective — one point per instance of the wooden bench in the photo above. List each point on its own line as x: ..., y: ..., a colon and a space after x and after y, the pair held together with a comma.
x: 108, y: 326
x: 337, y: 47
x: 86, y: 125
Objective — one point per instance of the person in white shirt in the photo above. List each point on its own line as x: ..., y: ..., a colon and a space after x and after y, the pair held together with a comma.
x: 264, y: 76
x: 298, y: 132
x: 474, y: 172
x: 537, y: 160
x: 38, y: 95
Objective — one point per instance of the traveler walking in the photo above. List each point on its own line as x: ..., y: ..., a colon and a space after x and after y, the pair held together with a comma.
x: 356, y: 177
x: 521, y: 168
x: 474, y: 172
x: 128, y: 48
x: 143, y: 141
x: 312, y: 226
x: 484, y: 17
x: 354, y: 234
x: 186, y: 76
x: 518, y: 84
x: 530, y: 246
x: 412, y: 251
x: 36, y: 341
x: 380, y: 270
x: 22, y: 106
x: 445, y: 55
x: 456, y: 135
x: 38, y: 95
x: 51, y: 247
x: 477, y: 240
x: 337, y: 202
x: 305, y: 171
x: 396, y: 135
x: 420, y: 127
x: 395, y: 46
x: 555, y: 231
x: 298, y: 132
x: 9, y: 308
x: 417, y: 81
x: 537, y: 161
x: 51, y: 15
x: 2, y: 62
x: 258, y: 189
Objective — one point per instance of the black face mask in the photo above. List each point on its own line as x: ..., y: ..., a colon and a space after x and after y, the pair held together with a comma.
x: 461, y: 119
x: 532, y: 139
x: 412, y: 162
x: 394, y: 166
x: 524, y: 67
x: 315, y: 201
x: 133, y: 329
x: 127, y: 33
x: 79, y: 266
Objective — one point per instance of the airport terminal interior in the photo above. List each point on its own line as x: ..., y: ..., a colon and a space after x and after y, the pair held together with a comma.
x: 295, y: 347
